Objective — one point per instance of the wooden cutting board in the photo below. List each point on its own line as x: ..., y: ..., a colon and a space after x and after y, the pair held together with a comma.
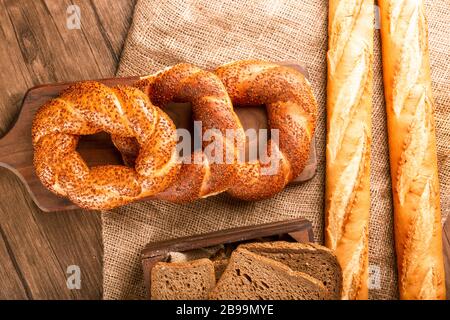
x: 16, y: 151
x: 294, y: 230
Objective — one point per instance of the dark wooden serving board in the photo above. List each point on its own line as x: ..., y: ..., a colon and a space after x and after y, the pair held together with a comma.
x: 16, y: 151
x: 295, y: 230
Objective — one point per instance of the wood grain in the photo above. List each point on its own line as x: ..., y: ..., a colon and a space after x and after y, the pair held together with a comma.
x: 37, y: 48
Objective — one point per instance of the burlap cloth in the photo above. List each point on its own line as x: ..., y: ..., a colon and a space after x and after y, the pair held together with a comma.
x: 209, y: 33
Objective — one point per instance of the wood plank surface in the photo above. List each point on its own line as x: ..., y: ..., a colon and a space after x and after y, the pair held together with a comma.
x: 36, y: 47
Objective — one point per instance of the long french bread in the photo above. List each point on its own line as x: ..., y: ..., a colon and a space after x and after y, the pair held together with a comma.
x: 349, y: 107
x: 412, y: 147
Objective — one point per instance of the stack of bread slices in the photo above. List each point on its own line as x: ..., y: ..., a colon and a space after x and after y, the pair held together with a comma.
x: 254, y: 271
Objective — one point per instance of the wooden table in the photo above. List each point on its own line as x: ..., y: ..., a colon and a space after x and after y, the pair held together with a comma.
x: 36, y: 47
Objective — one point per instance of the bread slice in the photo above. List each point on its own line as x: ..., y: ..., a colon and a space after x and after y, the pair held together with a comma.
x: 191, y: 280
x: 219, y: 267
x: 249, y: 276
x: 312, y: 259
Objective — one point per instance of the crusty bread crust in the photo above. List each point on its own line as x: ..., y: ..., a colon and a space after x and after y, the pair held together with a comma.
x: 291, y: 108
x: 412, y: 148
x: 212, y: 106
x: 147, y: 139
x: 349, y: 105
x: 91, y: 107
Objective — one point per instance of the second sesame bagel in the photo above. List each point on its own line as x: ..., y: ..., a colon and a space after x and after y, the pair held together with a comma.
x: 292, y: 112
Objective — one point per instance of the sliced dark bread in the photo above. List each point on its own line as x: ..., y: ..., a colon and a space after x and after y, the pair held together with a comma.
x: 313, y: 259
x: 191, y: 280
x: 219, y: 267
x: 249, y: 276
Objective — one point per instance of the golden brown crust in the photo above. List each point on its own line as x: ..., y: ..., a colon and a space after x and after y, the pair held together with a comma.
x: 211, y: 106
x: 349, y: 106
x: 291, y: 108
x: 146, y: 136
x: 90, y: 107
x: 412, y: 149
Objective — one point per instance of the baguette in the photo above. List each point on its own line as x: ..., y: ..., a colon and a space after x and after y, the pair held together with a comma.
x: 349, y: 106
x: 412, y: 148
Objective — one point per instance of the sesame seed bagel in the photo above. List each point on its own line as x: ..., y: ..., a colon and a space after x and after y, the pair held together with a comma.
x: 207, y: 173
x: 90, y: 107
x: 292, y: 111
x: 147, y: 137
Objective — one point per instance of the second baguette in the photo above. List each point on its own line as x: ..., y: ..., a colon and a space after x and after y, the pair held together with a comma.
x: 349, y: 105
x: 412, y: 149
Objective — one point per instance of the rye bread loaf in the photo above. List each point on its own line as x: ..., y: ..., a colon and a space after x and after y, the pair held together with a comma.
x: 249, y: 276
x: 191, y: 280
x: 219, y: 267
x: 312, y: 259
